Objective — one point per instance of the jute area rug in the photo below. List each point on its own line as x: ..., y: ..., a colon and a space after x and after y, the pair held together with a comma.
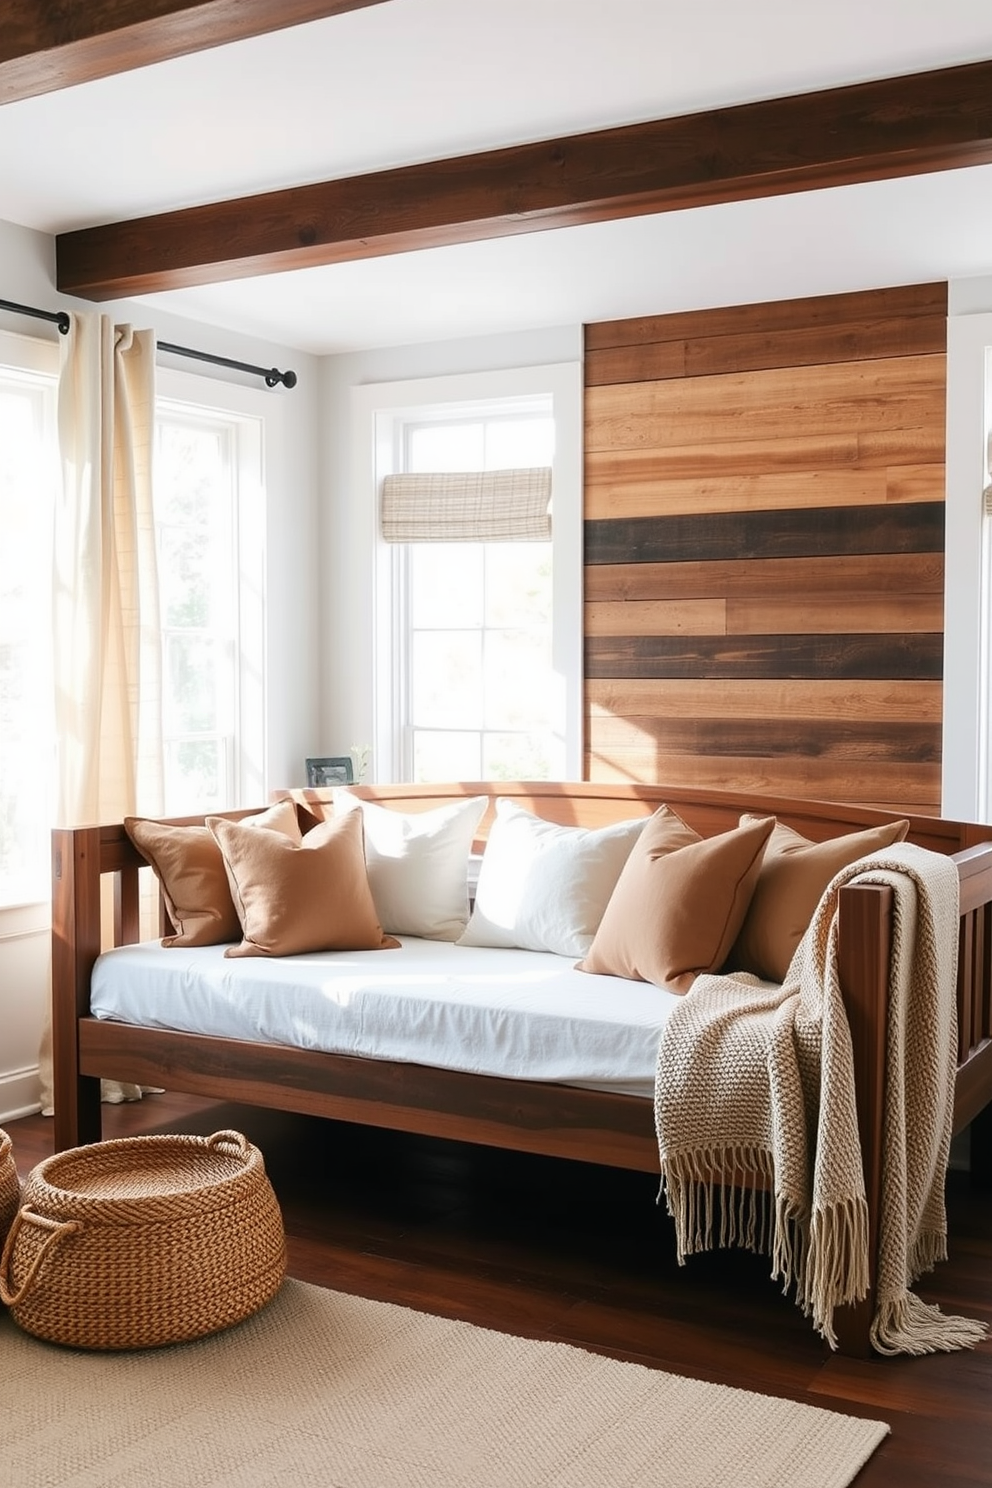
x: 335, y: 1391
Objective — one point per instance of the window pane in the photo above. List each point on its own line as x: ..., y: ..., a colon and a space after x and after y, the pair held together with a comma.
x: 519, y: 441
x: 446, y: 679
x: 446, y: 584
x: 195, y: 773
x: 446, y: 756
x: 445, y: 447
x: 518, y: 583
x: 517, y: 757
x: 192, y: 684
x: 516, y: 671
x: 196, y: 486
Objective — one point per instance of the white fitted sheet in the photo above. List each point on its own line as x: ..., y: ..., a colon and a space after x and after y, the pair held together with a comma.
x: 520, y: 1014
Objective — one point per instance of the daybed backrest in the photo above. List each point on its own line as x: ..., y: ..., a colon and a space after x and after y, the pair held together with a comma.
x: 591, y: 804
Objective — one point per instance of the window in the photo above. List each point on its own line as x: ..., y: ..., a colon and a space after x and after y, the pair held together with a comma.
x: 209, y: 509
x: 478, y: 644
x: 478, y: 655
x: 28, y: 475
x: 208, y: 483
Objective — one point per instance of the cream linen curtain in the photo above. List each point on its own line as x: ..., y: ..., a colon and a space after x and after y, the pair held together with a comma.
x: 107, y: 636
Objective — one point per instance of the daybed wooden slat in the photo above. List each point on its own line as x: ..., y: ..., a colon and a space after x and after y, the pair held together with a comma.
x: 555, y: 1120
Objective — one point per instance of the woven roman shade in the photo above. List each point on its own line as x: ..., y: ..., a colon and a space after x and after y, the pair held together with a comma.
x: 468, y: 506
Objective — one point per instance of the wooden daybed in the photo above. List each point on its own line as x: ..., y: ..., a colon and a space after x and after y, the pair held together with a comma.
x: 556, y: 1120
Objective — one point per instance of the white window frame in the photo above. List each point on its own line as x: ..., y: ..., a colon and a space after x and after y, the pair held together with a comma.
x: 967, y: 747
x: 36, y: 360
x: 376, y: 411
x: 206, y: 398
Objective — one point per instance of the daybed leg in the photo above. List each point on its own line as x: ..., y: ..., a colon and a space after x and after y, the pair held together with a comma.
x: 78, y: 1114
x: 981, y: 1149
x: 75, y: 947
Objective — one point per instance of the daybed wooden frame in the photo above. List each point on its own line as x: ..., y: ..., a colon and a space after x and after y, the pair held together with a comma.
x: 528, y: 1116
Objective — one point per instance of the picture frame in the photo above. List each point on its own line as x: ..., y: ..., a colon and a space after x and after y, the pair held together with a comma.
x: 330, y: 771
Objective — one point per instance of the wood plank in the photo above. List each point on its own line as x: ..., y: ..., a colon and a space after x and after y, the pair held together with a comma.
x: 703, y: 356
x: 891, y: 446
x: 920, y: 482
x: 656, y: 617
x: 899, y: 302
x: 888, y: 701
x: 819, y: 532
x: 823, y: 615
x: 806, y: 738
x: 739, y: 491
x: 915, y: 787
x: 842, y: 657
x: 795, y: 452
x: 938, y: 120
x: 812, y: 614
x: 45, y: 46
x: 888, y: 573
x: 763, y: 492
x: 887, y: 394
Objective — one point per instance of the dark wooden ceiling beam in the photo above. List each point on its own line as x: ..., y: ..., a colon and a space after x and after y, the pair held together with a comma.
x: 893, y: 127
x: 45, y: 45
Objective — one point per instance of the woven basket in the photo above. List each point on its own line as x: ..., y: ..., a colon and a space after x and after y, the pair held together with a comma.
x: 143, y: 1241
x: 10, y: 1186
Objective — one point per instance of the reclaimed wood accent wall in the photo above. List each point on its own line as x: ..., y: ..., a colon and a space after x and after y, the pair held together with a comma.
x: 764, y: 538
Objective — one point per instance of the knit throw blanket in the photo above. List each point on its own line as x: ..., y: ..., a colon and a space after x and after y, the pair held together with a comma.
x: 757, y: 1124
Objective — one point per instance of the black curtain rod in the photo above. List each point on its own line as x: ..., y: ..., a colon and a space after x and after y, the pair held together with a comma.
x: 273, y: 377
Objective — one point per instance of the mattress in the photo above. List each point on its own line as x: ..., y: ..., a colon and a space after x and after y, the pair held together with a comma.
x: 516, y: 1014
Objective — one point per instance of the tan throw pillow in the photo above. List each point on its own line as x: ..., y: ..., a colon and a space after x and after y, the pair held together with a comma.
x: 793, y: 877
x: 297, y: 897
x: 679, y: 902
x: 190, y: 868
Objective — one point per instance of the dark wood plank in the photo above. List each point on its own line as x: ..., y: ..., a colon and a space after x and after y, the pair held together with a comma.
x: 45, y: 46
x: 584, y: 1255
x: 753, y: 351
x: 814, y: 312
x: 809, y: 532
x: 808, y: 738
x: 937, y: 120
x: 919, y: 656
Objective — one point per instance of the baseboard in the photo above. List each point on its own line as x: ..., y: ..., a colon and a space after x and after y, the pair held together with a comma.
x: 20, y: 1092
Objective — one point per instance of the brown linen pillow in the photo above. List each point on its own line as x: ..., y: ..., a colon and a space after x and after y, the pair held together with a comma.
x: 296, y: 897
x: 794, y: 874
x: 679, y: 902
x: 190, y: 868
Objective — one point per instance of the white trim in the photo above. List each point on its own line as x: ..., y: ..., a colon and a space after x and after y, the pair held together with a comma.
x: 20, y: 1094
x: 966, y: 764
x: 371, y: 409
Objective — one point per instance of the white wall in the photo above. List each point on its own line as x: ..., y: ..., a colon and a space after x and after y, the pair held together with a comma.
x: 27, y: 276
x: 346, y: 518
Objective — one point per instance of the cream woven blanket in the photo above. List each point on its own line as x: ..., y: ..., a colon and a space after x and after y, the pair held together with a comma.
x: 755, y: 1083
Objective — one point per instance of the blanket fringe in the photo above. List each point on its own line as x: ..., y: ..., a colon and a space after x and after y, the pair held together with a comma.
x: 906, y: 1325
x: 718, y: 1197
x: 837, y: 1269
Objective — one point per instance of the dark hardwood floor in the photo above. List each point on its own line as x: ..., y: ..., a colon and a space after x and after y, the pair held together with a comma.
x: 552, y: 1249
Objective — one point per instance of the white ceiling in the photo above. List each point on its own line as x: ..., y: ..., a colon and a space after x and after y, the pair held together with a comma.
x: 413, y: 80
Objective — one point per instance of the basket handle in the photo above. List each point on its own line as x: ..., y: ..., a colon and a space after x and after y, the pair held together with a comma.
x: 56, y: 1229
x: 227, y: 1139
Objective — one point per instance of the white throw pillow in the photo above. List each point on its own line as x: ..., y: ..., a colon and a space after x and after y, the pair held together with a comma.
x: 417, y: 864
x: 543, y: 887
